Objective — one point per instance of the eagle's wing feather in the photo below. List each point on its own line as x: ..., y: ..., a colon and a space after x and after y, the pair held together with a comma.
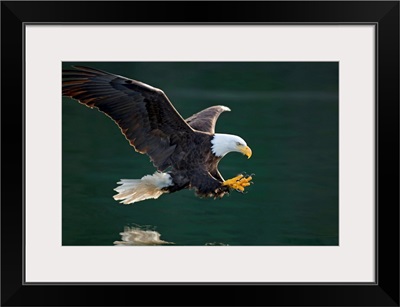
x: 205, y: 120
x: 144, y: 114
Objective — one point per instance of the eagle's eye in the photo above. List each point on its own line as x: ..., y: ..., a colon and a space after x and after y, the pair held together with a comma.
x: 238, y: 143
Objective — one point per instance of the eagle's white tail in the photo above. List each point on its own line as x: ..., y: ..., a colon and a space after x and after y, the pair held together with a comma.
x: 150, y: 186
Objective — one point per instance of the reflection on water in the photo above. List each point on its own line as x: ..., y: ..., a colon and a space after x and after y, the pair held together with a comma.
x: 146, y: 235
x: 140, y: 236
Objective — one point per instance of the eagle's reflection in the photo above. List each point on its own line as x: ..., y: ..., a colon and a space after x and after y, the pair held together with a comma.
x: 140, y: 235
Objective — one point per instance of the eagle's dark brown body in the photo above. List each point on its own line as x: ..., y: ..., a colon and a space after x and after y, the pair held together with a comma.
x: 198, y: 170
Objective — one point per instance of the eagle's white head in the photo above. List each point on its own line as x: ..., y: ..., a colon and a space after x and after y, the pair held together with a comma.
x: 225, y: 143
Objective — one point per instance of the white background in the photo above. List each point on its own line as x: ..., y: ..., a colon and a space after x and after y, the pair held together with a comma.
x: 48, y: 261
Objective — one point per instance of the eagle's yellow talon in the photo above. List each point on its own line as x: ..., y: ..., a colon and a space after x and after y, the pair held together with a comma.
x: 232, y: 181
x: 238, y: 183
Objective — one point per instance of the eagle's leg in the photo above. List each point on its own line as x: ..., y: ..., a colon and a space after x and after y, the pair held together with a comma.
x: 238, y: 183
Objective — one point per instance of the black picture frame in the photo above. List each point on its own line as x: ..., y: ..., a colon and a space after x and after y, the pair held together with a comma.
x: 383, y: 14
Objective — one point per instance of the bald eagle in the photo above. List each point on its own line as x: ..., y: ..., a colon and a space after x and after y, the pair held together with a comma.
x: 186, y: 153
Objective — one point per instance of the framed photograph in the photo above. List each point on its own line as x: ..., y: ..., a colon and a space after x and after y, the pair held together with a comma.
x: 244, y: 146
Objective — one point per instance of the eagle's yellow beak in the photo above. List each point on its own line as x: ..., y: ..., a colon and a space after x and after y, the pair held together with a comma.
x: 246, y: 151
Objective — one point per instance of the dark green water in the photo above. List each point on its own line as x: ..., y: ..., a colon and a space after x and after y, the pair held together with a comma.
x: 286, y: 112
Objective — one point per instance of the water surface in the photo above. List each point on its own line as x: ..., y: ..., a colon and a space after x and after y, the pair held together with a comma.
x: 286, y: 112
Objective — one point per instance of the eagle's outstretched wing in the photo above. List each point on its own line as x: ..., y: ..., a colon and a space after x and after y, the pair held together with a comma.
x: 205, y: 120
x: 144, y: 114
